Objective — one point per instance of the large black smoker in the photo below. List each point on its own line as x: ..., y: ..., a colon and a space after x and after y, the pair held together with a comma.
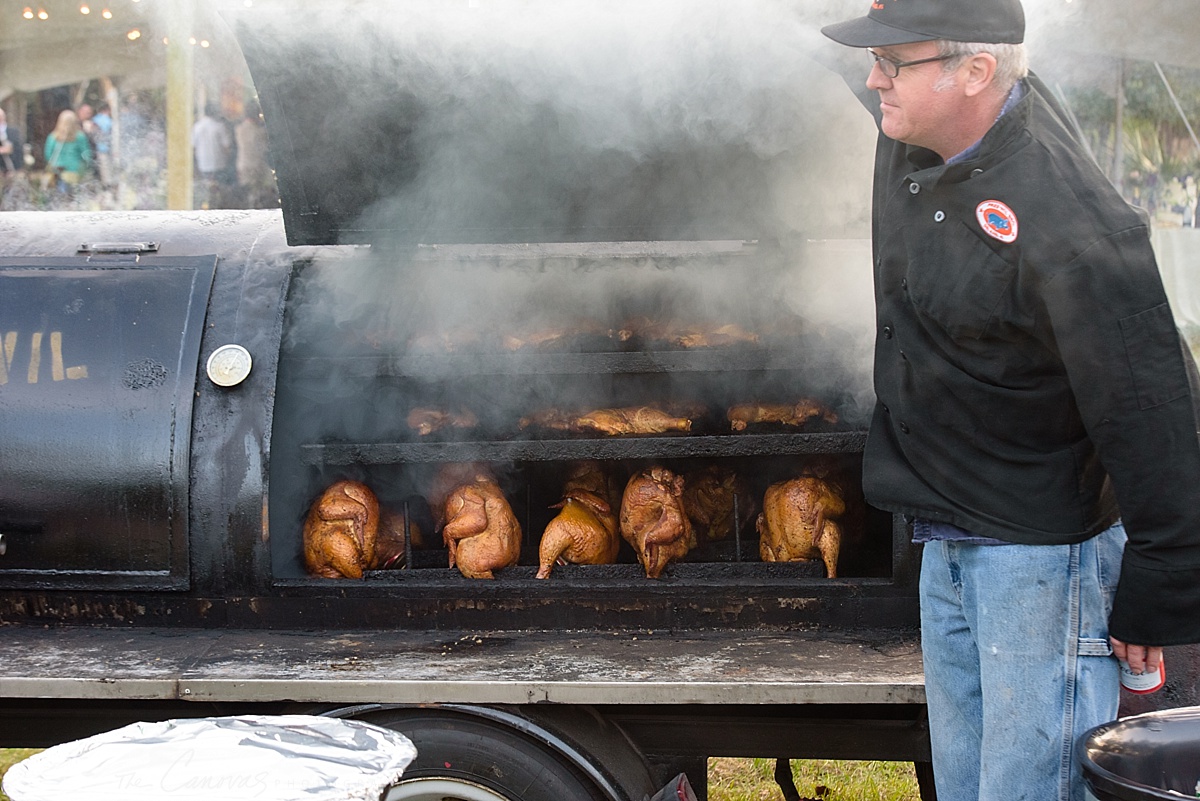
x: 176, y: 388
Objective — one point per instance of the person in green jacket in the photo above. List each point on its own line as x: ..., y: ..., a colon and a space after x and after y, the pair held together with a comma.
x: 68, y: 152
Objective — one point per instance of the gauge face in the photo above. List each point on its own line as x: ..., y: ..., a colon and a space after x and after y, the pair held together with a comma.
x: 229, y: 365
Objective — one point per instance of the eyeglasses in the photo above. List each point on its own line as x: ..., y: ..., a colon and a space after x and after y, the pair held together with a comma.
x: 891, y: 67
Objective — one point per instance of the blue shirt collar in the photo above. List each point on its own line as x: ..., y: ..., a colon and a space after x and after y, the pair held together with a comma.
x: 1014, y: 96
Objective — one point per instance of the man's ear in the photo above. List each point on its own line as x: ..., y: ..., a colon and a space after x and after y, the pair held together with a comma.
x: 980, y: 70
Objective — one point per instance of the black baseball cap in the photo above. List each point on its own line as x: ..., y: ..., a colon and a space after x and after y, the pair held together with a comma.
x: 892, y: 22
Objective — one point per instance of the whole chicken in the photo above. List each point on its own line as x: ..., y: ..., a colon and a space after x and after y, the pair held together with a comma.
x: 481, y: 532
x: 653, y: 520
x: 796, y: 523
x: 389, y: 545
x: 340, y: 531
x: 794, y: 414
x: 708, y: 499
x: 449, y: 477
x: 585, y: 531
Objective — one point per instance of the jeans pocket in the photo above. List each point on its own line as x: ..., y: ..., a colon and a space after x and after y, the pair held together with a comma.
x: 1094, y: 646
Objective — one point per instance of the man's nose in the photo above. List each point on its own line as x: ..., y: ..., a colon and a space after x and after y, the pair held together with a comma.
x: 876, y: 79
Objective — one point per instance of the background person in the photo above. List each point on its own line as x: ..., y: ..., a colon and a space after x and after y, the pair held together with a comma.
x: 254, y: 178
x: 1029, y: 378
x: 12, y: 148
x: 67, y: 152
x: 12, y: 162
x: 213, y: 146
x: 102, y: 124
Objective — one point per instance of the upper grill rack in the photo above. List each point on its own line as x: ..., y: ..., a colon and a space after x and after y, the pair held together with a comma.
x: 673, y: 447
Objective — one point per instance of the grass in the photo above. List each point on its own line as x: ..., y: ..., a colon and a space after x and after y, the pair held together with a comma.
x: 751, y: 779
x: 826, y: 780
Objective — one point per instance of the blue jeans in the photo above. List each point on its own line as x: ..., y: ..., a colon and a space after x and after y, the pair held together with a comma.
x: 1017, y: 663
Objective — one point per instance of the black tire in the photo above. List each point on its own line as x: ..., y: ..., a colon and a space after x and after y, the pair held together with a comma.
x: 480, y: 752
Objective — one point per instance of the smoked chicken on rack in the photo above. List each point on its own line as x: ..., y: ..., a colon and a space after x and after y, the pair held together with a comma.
x: 479, y: 528
x: 653, y: 520
x: 620, y: 421
x: 798, y: 523
x: 426, y: 420
x: 347, y: 532
x: 632, y: 420
x: 389, y: 545
x: 792, y: 414
x: 680, y: 334
x: 551, y: 420
x: 709, y: 495
x: 340, y: 531
x: 585, y: 531
x: 560, y: 337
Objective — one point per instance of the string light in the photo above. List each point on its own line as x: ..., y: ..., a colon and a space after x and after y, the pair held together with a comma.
x: 42, y: 14
x: 85, y: 9
x: 27, y: 13
x: 134, y: 35
x: 106, y: 14
x: 204, y: 43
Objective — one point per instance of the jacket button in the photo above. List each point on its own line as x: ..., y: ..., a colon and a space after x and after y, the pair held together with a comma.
x: 887, y: 332
x: 886, y: 410
x: 939, y: 215
x: 976, y: 173
x: 914, y: 187
x: 904, y: 428
x: 904, y: 284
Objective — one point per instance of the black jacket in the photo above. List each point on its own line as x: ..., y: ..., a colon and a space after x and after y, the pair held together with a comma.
x: 1034, y: 388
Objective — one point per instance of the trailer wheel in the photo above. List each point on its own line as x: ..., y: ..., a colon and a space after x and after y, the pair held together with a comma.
x: 484, y: 754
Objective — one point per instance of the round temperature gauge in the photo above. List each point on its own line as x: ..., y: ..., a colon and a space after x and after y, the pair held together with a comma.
x: 229, y: 365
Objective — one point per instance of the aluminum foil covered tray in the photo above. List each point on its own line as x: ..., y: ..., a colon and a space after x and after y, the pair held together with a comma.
x: 269, y: 758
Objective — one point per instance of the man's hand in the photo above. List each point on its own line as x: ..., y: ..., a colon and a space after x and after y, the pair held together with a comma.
x: 1141, y: 658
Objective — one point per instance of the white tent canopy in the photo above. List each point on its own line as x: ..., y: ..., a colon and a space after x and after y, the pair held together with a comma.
x: 70, y: 47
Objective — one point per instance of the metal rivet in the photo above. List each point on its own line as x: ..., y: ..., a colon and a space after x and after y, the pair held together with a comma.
x: 914, y: 187
x: 939, y: 215
x: 887, y: 332
x: 976, y: 173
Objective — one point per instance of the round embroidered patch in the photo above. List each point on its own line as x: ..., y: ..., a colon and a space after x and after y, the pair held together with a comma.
x: 997, y: 220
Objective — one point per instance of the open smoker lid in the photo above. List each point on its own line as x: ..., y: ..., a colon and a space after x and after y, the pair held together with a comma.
x: 507, y: 121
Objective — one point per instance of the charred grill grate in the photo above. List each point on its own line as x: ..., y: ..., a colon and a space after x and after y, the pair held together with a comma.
x: 671, y: 447
x: 745, y: 358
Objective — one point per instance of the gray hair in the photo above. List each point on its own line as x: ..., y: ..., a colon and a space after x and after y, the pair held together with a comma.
x: 1012, y: 60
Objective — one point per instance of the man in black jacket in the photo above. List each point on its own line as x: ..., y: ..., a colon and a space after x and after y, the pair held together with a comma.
x: 1036, y: 411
